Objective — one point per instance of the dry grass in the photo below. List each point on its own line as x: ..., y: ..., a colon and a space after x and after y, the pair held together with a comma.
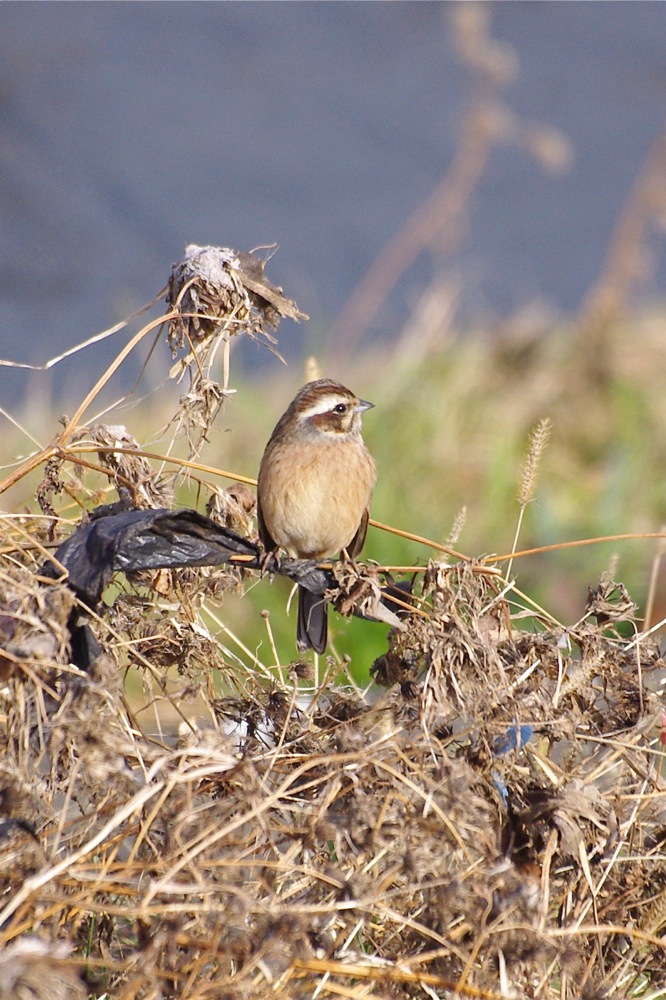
x: 492, y: 824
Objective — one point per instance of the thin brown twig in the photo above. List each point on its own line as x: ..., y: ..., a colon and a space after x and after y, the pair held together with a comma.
x: 390, y: 974
x: 575, y: 543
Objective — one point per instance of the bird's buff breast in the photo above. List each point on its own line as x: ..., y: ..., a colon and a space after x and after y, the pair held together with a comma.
x: 312, y: 503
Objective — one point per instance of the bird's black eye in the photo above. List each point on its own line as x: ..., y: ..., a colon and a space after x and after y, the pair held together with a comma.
x: 340, y: 408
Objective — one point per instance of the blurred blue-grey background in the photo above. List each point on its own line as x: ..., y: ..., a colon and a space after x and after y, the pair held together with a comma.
x: 131, y: 129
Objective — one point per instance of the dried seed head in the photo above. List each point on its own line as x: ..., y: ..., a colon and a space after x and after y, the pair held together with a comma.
x: 457, y: 526
x: 538, y: 443
x: 216, y: 290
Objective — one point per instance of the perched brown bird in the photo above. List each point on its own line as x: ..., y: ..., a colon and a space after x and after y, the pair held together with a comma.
x: 315, y: 485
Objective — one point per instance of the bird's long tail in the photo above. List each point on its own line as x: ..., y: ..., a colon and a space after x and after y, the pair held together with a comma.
x: 312, y: 630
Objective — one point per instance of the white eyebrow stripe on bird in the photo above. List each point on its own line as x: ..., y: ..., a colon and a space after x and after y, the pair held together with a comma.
x: 324, y: 405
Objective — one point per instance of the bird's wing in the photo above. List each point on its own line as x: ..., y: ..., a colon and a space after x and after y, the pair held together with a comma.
x: 357, y: 541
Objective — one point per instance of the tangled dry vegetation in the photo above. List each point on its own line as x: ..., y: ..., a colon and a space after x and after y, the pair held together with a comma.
x: 488, y: 820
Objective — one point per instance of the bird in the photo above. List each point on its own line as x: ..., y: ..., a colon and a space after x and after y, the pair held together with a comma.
x: 314, y: 488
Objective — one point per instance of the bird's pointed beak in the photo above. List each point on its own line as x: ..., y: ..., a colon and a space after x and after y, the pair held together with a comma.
x: 362, y: 405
